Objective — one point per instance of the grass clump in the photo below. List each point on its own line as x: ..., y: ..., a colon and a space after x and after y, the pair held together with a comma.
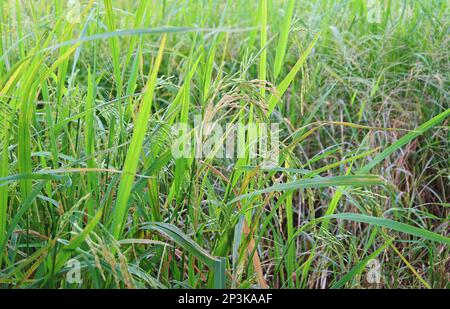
x: 89, y: 95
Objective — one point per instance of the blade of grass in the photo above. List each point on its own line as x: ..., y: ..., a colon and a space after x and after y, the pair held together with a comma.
x: 405, y: 140
x: 318, y: 182
x: 134, y: 151
x: 388, y: 151
x: 263, y: 59
x: 76, y: 241
x: 90, y: 143
x: 283, y: 86
x: 282, y: 42
x: 20, y: 212
x: 393, y: 225
x: 217, y: 264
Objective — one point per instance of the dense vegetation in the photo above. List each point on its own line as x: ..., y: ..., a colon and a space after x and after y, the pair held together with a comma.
x: 89, y: 92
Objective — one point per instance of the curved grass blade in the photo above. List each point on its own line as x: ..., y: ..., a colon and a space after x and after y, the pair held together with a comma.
x: 393, y: 225
x: 32, y: 176
x: 317, y: 182
x: 134, y: 32
x: 388, y: 151
x: 405, y: 140
x: 217, y: 264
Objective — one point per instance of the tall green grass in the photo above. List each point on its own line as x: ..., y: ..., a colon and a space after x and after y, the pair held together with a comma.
x: 87, y: 171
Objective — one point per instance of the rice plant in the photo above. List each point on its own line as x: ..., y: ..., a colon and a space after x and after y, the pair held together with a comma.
x: 224, y: 144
